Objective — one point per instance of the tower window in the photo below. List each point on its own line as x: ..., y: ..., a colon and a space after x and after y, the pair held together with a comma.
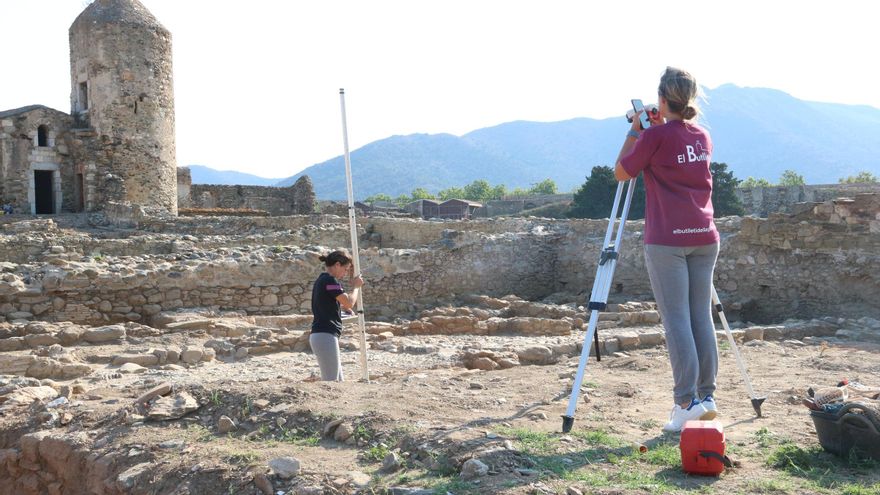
x: 83, y: 96
x: 42, y: 136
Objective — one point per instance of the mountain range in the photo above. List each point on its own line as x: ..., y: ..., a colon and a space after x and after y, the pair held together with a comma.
x: 207, y: 175
x: 758, y: 132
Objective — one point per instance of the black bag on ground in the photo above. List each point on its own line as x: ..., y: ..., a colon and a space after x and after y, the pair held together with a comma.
x: 851, y: 427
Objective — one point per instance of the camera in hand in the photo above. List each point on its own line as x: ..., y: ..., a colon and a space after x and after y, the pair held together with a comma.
x: 651, y: 108
x: 644, y: 121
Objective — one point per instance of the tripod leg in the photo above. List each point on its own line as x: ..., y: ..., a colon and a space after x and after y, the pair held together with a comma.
x: 756, y: 401
x: 568, y: 419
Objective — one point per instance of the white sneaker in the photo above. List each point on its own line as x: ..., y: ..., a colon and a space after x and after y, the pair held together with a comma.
x: 711, y: 409
x: 678, y: 417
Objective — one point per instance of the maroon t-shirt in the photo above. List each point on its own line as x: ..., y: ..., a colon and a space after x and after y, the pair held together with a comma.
x: 678, y: 185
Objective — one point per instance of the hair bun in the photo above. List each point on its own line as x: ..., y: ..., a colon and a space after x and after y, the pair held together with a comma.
x: 689, y: 112
x: 322, y: 258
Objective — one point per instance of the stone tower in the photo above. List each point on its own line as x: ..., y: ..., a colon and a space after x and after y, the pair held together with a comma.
x: 122, y: 98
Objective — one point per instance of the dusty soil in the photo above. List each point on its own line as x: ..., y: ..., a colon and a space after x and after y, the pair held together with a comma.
x: 433, y: 415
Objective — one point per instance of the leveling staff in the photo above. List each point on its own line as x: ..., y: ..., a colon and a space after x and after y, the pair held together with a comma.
x: 681, y: 241
x: 328, y: 296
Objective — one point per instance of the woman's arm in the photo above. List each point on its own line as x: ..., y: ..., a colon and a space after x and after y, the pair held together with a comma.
x: 347, y: 301
x: 628, y: 144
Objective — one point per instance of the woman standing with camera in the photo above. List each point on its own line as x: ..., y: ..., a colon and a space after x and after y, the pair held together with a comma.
x: 681, y: 241
x: 328, y: 296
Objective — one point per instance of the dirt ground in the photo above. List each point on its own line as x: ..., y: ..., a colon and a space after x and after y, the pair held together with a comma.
x: 414, y: 426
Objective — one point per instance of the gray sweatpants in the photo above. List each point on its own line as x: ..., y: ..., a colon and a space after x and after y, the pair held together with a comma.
x: 326, y: 349
x: 681, y: 278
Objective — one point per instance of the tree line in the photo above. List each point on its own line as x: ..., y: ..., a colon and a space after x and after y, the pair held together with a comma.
x: 595, y: 197
x: 479, y: 190
x: 792, y: 178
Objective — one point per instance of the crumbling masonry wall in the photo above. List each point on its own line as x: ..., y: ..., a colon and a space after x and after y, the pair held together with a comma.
x: 823, y: 261
x: 184, y: 185
x: 265, y: 281
x: 762, y: 201
x: 275, y: 200
x: 296, y: 199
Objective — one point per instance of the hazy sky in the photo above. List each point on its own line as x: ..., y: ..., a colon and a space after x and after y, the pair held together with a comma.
x: 257, y: 82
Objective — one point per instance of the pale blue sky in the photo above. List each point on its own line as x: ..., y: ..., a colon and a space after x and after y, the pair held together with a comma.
x: 257, y: 82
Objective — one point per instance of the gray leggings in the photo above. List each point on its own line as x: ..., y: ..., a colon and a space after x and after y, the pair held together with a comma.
x: 681, y: 278
x: 326, y: 349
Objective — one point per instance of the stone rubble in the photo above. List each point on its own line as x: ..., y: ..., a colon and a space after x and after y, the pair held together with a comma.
x: 136, y: 320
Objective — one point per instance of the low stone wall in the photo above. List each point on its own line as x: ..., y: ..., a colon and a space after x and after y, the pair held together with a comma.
x: 237, y: 225
x: 512, y: 205
x: 268, y: 280
x: 184, y: 185
x: 297, y: 199
x: 762, y: 201
x: 825, y: 260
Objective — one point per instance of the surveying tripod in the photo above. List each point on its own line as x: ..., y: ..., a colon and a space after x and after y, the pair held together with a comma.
x: 601, y: 288
x: 599, y: 300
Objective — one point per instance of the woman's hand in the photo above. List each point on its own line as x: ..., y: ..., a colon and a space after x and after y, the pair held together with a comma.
x: 636, y: 123
x: 357, y: 282
x: 656, y: 118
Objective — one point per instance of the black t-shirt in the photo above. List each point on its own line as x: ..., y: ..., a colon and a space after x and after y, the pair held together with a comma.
x: 325, y: 307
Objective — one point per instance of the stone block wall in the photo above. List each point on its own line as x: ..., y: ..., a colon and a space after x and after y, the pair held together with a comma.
x: 297, y: 199
x: 270, y: 281
x: 823, y: 261
x: 511, y: 205
x: 762, y: 201
x: 184, y: 186
x: 26, y: 247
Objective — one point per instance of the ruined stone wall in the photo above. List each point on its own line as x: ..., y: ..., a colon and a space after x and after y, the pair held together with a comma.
x: 405, y: 233
x: 823, y: 261
x: 43, y: 245
x: 270, y: 280
x: 235, y: 225
x: 121, y: 87
x: 498, y: 207
x: 511, y: 205
x: 762, y: 201
x: 275, y: 200
x: 579, y: 251
x: 184, y: 186
x: 304, y: 199
x: 297, y: 199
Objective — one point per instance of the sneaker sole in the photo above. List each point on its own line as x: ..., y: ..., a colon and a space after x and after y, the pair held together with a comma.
x: 708, y: 416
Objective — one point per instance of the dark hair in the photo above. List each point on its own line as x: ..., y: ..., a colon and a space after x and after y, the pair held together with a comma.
x: 336, y: 257
x: 680, y: 90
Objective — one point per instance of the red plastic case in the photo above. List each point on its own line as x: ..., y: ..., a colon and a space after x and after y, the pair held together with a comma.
x: 702, y: 448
